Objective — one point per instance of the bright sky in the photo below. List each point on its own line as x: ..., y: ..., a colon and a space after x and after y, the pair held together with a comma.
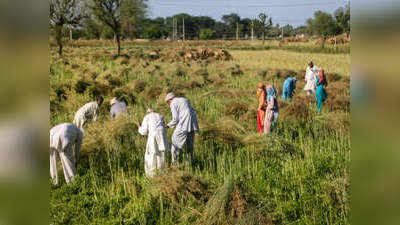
x: 293, y: 12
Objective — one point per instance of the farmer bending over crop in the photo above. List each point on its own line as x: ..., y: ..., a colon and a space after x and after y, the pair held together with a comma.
x: 117, y: 108
x: 271, y: 115
x: 310, y: 77
x: 153, y: 126
x: 289, y: 87
x: 185, y: 120
x: 320, y: 94
x: 88, y: 111
x: 62, y: 138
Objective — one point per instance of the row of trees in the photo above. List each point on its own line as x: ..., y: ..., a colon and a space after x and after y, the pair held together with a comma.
x: 94, y: 18
x: 127, y: 19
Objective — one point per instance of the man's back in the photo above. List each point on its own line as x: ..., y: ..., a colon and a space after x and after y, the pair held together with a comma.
x: 88, y: 109
x: 183, y: 115
x: 155, y: 121
x: 63, y: 134
x: 117, y: 108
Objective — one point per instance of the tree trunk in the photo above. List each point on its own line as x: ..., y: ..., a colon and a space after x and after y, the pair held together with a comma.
x: 263, y: 37
x: 323, y: 42
x: 58, y: 31
x: 60, y: 49
x: 117, y: 39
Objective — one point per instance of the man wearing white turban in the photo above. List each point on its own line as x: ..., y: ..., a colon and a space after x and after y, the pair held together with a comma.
x: 153, y: 126
x: 185, y: 122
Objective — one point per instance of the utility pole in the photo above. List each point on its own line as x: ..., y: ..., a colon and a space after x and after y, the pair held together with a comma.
x: 176, y: 29
x: 237, y: 31
x: 183, y: 32
x: 282, y: 33
x: 173, y: 28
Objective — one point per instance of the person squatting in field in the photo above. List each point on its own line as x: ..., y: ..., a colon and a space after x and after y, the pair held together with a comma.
x: 320, y: 85
x: 185, y: 122
x: 262, y: 96
x: 310, y: 78
x: 117, y: 108
x: 62, y: 139
x: 88, y: 111
x: 289, y: 87
x: 153, y: 126
x: 271, y: 115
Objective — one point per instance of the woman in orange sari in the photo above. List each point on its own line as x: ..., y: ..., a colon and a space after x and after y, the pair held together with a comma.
x: 261, y: 94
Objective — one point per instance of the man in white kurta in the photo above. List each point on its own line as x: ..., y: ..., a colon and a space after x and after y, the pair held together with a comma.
x: 87, y: 112
x: 310, y: 78
x: 185, y: 122
x: 153, y: 126
x: 63, y: 138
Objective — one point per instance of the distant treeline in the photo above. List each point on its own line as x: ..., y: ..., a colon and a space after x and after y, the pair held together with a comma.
x: 128, y: 19
x: 230, y: 26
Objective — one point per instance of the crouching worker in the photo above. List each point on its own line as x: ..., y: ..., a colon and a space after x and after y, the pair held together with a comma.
x: 272, y: 112
x: 289, y: 87
x: 87, y: 112
x: 185, y: 122
x: 320, y: 94
x: 117, y: 108
x: 62, y: 139
x: 153, y: 126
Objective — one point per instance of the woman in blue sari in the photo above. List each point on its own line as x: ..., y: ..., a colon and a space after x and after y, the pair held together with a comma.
x: 289, y: 87
x: 320, y: 93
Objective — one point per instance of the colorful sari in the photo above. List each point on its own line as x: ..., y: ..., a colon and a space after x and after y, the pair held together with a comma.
x: 320, y: 93
x: 261, y: 110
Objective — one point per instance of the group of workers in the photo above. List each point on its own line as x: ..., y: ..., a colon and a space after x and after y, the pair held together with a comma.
x: 267, y: 115
x: 66, y: 138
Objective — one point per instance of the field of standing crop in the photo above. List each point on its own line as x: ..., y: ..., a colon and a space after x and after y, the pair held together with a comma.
x: 297, y: 175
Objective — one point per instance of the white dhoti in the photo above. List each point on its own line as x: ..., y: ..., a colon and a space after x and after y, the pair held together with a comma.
x: 67, y: 161
x: 154, y: 158
x: 157, y: 142
x: 179, y: 139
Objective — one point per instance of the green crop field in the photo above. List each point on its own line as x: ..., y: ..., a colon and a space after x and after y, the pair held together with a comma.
x: 297, y: 175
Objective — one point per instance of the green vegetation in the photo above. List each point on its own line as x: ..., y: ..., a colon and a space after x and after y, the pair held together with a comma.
x: 206, y: 34
x: 297, y: 175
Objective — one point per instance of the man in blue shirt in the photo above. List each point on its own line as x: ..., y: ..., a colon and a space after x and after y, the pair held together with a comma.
x: 117, y: 108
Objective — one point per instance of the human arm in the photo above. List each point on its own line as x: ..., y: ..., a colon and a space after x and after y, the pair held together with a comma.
x: 175, y: 116
x: 316, y: 81
x: 96, y: 112
x: 308, y: 74
x: 144, y: 128
x: 112, y: 114
x: 271, y: 103
x: 262, y: 100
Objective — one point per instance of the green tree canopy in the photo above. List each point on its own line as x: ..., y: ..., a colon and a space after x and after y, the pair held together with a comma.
x: 206, y: 34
